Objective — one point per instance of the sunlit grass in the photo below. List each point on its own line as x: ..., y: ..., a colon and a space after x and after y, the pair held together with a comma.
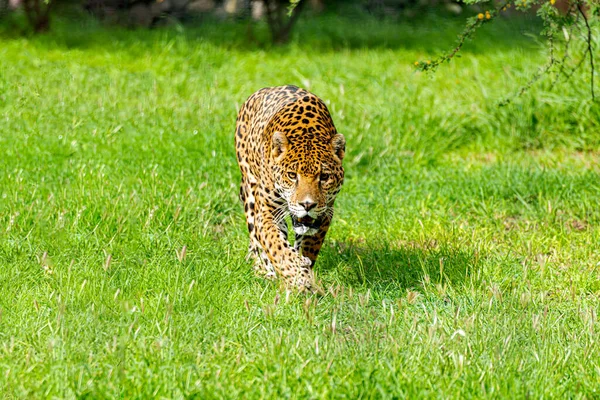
x: 464, y: 259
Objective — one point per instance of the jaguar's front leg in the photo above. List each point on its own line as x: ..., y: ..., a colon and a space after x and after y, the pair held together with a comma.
x: 265, y: 261
x: 262, y: 265
x: 288, y: 263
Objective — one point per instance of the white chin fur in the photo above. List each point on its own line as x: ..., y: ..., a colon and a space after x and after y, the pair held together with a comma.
x: 304, y: 230
x: 301, y: 229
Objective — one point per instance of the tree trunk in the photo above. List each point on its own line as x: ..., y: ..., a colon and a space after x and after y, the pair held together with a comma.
x: 3, y: 8
x: 280, y: 24
x: 38, y: 14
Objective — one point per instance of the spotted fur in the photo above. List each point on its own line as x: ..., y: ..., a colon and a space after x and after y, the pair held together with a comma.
x: 290, y: 156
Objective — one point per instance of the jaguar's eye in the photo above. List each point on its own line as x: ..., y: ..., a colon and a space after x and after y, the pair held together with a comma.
x: 292, y: 175
x: 324, y: 177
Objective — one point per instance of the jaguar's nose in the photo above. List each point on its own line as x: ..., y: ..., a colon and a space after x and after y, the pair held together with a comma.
x: 308, y: 205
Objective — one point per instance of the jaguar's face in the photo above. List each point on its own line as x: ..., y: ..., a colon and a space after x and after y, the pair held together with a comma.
x: 308, y: 176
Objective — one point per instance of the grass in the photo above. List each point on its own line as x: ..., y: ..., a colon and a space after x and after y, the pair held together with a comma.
x: 463, y: 262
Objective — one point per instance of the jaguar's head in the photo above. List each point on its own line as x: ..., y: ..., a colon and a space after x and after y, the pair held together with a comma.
x: 308, y: 174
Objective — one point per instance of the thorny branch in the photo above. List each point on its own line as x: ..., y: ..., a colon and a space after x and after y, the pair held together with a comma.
x: 589, y: 47
x: 568, y: 35
x: 553, y: 24
x: 468, y: 33
x: 536, y: 77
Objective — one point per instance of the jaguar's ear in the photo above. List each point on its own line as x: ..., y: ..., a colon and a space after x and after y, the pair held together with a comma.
x: 280, y: 144
x: 338, y: 142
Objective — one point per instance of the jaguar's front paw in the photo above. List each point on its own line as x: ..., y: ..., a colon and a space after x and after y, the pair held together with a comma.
x: 265, y: 272
x: 304, y: 279
x: 305, y: 262
x: 311, y: 287
x: 264, y: 268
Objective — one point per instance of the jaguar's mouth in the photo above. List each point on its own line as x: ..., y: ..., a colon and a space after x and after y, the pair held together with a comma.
x: 306, y: 220
x: 306, y: 225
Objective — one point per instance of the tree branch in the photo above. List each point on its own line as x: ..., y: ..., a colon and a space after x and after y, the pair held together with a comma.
x: 569, y: 34
x: 589, y: 47
x: 536, y: 77
x: 469, y: 31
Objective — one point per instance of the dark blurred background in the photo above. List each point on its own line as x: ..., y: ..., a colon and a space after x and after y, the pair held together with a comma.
x: 37, y: 16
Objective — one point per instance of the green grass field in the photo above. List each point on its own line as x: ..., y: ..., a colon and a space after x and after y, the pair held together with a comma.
x: 463, y: 261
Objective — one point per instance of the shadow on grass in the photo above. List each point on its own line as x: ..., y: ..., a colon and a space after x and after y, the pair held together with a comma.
x: 403, y: 266
x: 431, y: 32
